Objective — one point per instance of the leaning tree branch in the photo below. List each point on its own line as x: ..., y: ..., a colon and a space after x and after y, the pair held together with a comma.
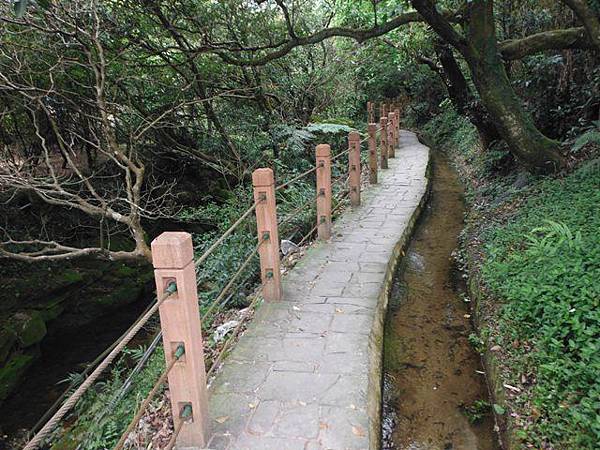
x: 569, y: 38
x: 39, y: 250
x: 442, y: 22
x: 587, y: 17
x: 319, y: 36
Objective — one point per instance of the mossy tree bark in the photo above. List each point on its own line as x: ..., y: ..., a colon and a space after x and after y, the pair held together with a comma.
x: 480, y: 49
x: 462, y: 97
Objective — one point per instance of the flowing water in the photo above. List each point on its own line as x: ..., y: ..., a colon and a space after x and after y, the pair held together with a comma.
x: 433, y: 378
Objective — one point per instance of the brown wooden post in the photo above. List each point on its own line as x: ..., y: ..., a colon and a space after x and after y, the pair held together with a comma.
x: 172, y: 257
x: 370, y: 111
x: 372, y: 128
x: 384, y: 143
x: 391, y: 135
x: 354, y: 167
x: 385, y: 109
x: 323, y: 157
x: 266, y: 227
x: 397, y: 111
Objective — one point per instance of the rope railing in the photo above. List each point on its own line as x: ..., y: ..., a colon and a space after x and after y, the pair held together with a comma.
x: 232, y: 280
x: 296, y: 178
x: 176, y: 356
x: 70, y: 402
x: 186, y: 413
x: 225, y: 234
x: 171, y: 269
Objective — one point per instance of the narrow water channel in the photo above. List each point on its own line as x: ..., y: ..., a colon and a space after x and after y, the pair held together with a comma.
x: 433, y: 381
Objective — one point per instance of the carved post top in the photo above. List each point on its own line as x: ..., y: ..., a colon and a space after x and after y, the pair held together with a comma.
x: 323, y: 150
x: 263, y: 177
x: 172, y: 250
x: 353, y: 136
x: 383, y: 121
x: 372, y: 128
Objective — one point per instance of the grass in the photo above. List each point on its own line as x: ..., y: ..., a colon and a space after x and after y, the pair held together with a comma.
x: 536, y: 246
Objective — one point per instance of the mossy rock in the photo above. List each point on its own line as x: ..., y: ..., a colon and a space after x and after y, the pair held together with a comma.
x: 29, y: 326
x: 8, y: 338
x: 71, y: 276
x: 12, y: 372
x: 53, y: 309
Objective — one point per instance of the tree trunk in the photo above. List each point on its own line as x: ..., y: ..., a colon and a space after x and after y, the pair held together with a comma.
x: 480, y: 50
x: 462, y: 97
x: 514, y: 124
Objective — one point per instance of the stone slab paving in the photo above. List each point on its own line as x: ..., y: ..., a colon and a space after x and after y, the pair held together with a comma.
x: 307, y: 373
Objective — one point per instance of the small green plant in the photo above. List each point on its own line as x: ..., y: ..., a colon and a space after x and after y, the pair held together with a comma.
x: 476, y: 342
x: 589, y: 137
x: 477, y: 411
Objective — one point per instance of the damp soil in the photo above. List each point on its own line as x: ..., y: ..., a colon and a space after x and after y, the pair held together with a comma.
x: 433, y: 378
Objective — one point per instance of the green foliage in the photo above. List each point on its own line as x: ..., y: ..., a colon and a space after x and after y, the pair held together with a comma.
x: 330, y: 128
x: 589, y: 137
x: 477, y: 411
x: 96, y: 425
x: 476, y: 342
x: 545, y: 266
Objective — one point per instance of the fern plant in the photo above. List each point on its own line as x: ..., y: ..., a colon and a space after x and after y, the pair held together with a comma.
x: 589, y: 137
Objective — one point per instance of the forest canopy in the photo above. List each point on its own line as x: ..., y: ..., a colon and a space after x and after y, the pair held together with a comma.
x: 114, y: 113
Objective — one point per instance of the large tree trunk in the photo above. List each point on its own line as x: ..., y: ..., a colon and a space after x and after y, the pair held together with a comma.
x: 514, y: 124
x: 480, y: 50
x: 462, y: 97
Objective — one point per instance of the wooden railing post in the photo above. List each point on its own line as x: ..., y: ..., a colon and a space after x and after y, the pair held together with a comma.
x: 172, y: 258
x: 372, y: 143
x: 391, y: 135
x: 354, y: 167
x: 268, y: 233
x: 397, y: 111
x: 323, y: 160
x: 384, y: 142
x: 370, y: 112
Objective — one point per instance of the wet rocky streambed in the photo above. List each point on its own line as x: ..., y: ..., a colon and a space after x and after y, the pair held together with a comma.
x: 435, y: 394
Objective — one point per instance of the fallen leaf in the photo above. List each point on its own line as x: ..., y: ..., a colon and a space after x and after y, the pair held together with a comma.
x: 498, y: 409
x: 222, y: 419
x: 496, y: 348
x: 358, y: 431
x: 251, y: 405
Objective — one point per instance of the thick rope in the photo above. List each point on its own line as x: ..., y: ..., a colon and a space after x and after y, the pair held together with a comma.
x: 236, y: 331
x: 292, y: 214
x: 296, y: 178
x: 145, y: 404
x: 230, y: 230
x: 234, y: 277
x: 70, y: 402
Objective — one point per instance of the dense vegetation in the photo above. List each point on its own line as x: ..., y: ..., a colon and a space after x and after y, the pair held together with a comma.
x: 119, y: 120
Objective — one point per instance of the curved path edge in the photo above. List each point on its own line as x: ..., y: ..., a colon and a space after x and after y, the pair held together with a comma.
x: 307, y: 373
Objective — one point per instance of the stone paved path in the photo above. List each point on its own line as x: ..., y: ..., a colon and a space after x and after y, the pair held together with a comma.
x: 306, y: 374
